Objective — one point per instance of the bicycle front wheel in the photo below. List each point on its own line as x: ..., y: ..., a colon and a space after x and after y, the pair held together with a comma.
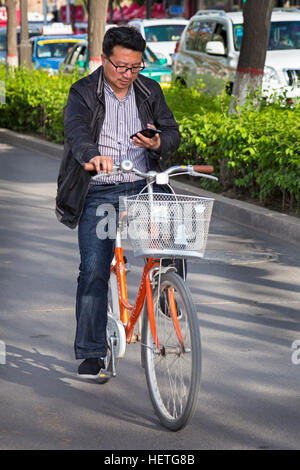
x: 172, y: 360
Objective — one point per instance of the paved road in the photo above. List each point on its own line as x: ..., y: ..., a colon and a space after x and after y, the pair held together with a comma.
x: 247, y: 296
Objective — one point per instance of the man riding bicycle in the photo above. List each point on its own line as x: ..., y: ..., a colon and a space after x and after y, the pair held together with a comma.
x: 103, y: 110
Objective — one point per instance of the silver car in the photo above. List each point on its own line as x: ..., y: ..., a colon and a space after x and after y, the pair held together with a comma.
x: 209, y: 50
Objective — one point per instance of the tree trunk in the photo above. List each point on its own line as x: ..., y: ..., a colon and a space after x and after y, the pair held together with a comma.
x: 121, y: 10
x: 111, y: 11
x: 249, y: 74
x: 11, y: 45
x: 73, y: 15
x: 96, y: 31
x: 25, y: 47
x: 148, y: 9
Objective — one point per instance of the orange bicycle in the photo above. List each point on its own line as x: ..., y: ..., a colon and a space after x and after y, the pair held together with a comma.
x: 160, y: 226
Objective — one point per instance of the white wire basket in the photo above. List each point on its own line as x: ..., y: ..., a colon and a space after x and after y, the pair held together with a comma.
x: 165, y: 225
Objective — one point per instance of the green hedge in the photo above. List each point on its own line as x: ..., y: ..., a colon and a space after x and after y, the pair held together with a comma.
x: 255, y: 153
x: 34, y: 101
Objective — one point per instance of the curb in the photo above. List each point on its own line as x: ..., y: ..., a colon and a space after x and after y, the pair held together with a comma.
x: 31, y: 142
x: 263, y: 220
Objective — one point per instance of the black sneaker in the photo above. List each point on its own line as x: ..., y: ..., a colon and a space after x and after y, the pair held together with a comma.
x: 90, y: 368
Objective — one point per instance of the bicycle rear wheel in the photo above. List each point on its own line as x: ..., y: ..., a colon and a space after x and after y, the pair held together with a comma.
x: 173, y: 370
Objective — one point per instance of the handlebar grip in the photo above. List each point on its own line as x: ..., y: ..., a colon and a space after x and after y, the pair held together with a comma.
x: 203, y: 168
x: 89, y: 167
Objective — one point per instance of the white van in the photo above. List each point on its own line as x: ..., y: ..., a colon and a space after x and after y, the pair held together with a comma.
x: 210, y: 44
x: 161, y: 35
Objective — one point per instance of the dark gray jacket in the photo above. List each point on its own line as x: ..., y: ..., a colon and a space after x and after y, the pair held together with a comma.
x: 83, y: 119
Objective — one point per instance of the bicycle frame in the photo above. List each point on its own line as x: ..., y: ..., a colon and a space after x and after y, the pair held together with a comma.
x: 129, y: 314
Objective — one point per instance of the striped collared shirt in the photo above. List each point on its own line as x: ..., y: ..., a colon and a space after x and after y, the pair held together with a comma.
x: 120, y: 122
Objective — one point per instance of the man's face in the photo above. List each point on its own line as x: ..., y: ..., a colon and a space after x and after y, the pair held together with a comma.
x: 121, y: 57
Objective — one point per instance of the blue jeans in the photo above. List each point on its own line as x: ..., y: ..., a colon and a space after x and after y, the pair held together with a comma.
x: 96, y: 254
x: 95, y: 257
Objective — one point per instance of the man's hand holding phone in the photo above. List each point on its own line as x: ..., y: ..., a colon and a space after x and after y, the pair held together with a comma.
x: 148, y: 138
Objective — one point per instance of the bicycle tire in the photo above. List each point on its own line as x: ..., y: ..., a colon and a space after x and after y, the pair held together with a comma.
x: 173, y: 378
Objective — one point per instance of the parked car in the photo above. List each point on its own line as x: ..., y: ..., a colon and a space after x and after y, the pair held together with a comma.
x: 34, y: 29
x: 48, y: 51
x: 210, y: 45
x: 161, y: 35
x: 154, y: 69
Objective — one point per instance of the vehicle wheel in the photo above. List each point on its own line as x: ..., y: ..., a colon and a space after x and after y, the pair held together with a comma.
x: 228, y: 88
x: 180, y: 81
x: 172, y: 372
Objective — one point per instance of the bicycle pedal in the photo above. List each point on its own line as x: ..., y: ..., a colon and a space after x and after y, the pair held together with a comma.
x: 106, y: 374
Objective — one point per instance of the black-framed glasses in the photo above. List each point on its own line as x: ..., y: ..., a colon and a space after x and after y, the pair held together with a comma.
x: 124, y: 68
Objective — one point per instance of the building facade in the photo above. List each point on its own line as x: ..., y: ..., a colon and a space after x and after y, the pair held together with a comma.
x: 38, y: 5
x: 190, y: 6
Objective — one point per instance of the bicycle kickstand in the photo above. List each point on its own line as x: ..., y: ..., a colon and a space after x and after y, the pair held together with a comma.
x: 111, y: 371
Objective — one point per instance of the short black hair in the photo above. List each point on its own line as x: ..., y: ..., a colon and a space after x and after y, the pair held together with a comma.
x: 124, y: 36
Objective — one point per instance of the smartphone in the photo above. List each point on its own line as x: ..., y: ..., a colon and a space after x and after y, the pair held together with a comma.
x: 148, y: 132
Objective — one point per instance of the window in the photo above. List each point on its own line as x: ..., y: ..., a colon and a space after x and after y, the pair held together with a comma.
x: 283, y: 35
x: 237, y: 36
x: 167, y: 32
x: 204, y: 35
x: 149, y: 57
x: 54, y: 49
x: 69, y: 56
x: 81, y: 54
x: 220, y: 34
x: 198, y: 33
x: 79, y: 50
x: 44, y: 51
x: 192, y: 36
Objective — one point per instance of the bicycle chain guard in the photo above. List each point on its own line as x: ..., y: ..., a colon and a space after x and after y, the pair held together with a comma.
x: 115, y: 331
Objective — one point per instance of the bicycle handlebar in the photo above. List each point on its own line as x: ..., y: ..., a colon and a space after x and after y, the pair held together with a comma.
x: 127, y: 167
